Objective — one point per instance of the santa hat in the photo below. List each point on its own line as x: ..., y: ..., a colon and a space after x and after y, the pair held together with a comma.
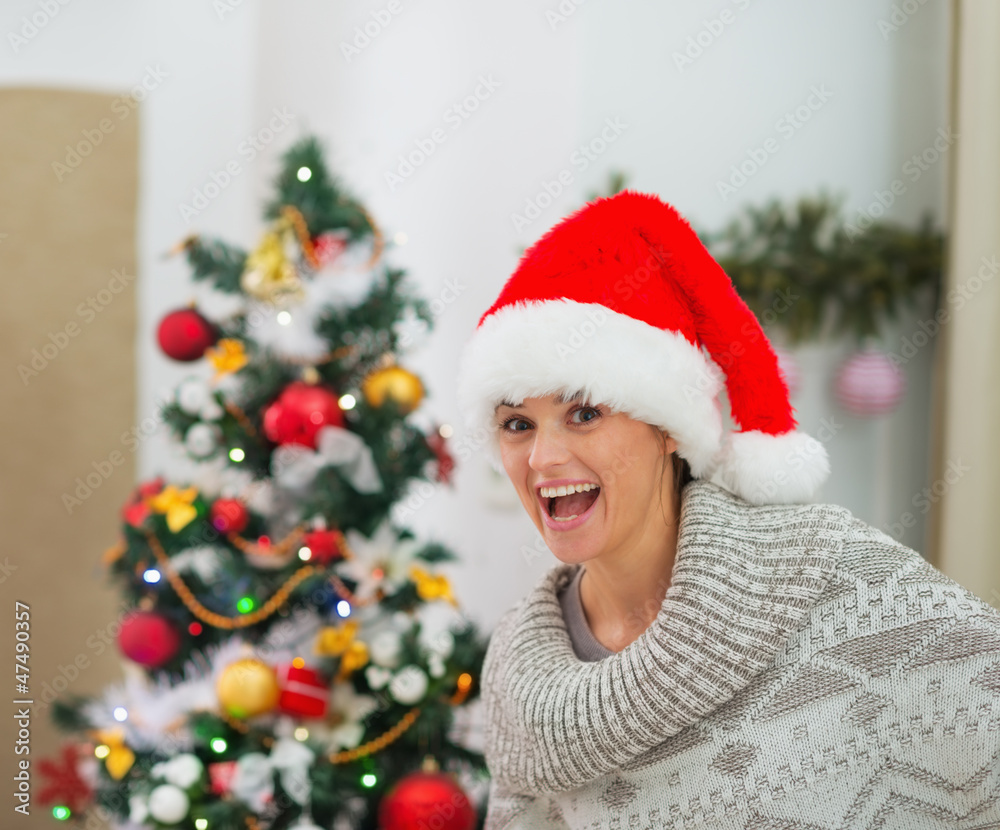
x: 621, y: 301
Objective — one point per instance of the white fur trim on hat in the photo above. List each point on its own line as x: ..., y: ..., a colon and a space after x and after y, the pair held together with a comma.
x: 772, y: 469
x: 535, y: 349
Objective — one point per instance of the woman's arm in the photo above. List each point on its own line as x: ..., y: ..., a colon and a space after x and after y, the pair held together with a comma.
x: 515, y: 811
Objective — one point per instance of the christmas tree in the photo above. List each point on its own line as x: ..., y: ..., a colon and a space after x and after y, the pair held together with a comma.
x: 296, y: 668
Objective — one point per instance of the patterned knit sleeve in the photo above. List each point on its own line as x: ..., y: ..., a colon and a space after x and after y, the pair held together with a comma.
x: 506, y: 809
x: 515, y: 811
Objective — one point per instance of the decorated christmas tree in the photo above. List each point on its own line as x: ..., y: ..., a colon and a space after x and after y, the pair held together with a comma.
x: 296, y: 657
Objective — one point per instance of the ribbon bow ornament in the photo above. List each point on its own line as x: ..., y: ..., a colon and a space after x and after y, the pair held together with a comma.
x: 295, y: 467
x: 118, y: 759
x: 177, y: 505
x: 253, y: 779
x: 432, y: 586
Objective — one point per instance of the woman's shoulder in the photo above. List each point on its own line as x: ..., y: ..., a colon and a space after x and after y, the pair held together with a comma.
x: 876, y: 570
x: 876, y: 557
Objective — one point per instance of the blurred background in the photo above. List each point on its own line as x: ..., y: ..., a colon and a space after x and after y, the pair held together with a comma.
x: 128, y: 126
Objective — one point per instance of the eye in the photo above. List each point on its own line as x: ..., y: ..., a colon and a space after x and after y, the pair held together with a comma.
x: 595, y: 413
x: 588, y: 413
x: 502, y: 426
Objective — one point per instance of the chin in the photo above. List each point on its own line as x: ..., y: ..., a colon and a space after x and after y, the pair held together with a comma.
x: 568, y: 551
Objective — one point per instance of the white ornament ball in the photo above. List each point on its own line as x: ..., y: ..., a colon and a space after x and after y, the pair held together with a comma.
x: 212, y: 411
x: 409, y: 684
x: 385, y: 648
x: 181, y: 770
x: 201, y: 440
x: 440, y: 643
x: 436, y: 665
x: 138, y: 809
x: 869, y: 383
x: 168, y: 804
x: 789, y: 368
x: 192, y: 395
x: 377, y: 676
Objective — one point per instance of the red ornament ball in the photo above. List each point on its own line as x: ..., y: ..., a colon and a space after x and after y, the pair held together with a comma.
x: 185, y: 335
x: 445, y: 462
x: 229, y: 516
x: 301, y: 411
x: 426, y: 799
x: 148, y: 639
x: 324, y: 545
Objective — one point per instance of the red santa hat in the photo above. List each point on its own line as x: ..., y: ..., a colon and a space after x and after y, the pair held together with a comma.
x: 621, y: 301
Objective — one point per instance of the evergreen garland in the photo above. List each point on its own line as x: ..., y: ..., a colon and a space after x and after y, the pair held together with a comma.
x: 795, y: 265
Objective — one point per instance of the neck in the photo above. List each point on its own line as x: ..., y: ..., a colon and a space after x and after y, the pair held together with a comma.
x: 622, y: 591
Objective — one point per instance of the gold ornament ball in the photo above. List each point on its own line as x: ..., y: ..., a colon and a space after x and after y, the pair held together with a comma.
x: 248, y: 687
x: 393, y: 382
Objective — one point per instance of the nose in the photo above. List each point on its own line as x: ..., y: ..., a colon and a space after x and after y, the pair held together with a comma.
x: 548, y: 448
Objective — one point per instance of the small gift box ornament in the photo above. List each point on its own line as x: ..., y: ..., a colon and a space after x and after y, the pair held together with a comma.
x: 304, y: 693
x: 220, y: 776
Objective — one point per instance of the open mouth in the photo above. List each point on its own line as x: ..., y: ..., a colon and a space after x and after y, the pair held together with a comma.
x: 576, y: 501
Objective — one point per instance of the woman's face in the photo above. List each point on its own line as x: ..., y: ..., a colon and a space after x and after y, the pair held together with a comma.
x: 555, y: 443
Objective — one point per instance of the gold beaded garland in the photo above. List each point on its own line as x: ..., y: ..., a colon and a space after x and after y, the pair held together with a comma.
x: 220, y: 620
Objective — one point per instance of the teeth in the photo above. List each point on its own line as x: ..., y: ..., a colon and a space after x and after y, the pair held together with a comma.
x: 552, y: 492
x: 565, y: 518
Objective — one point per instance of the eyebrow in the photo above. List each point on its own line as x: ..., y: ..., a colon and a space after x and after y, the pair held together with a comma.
x: 563, y: 397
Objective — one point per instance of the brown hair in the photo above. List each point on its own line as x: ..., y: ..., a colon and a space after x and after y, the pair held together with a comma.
x: 681, y: 469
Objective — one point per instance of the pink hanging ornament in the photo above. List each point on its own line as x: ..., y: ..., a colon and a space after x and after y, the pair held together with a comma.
x: 869, y: 384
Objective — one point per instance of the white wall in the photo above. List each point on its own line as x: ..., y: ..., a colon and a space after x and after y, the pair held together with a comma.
x: 558, y: 82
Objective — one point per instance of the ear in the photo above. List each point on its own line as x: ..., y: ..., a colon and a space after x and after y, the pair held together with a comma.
x: 669, y: 444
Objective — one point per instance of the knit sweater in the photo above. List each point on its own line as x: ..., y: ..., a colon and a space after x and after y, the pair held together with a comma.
x: 805, y: 672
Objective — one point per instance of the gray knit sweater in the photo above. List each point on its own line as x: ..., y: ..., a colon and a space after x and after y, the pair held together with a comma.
x: 805, y: 672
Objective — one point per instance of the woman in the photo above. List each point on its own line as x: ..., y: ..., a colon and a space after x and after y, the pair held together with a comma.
x: 712, y: 650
